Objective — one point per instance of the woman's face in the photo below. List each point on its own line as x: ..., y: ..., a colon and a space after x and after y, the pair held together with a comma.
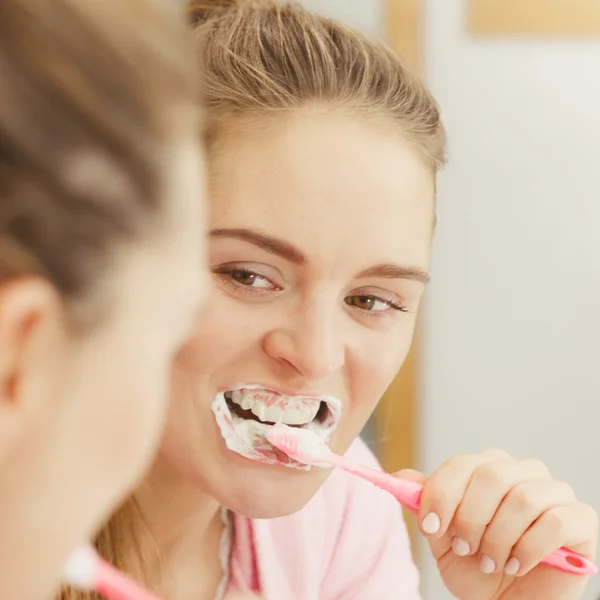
x: 319, y: 248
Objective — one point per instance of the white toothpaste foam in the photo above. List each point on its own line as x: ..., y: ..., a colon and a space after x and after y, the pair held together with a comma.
x: 247, y: 437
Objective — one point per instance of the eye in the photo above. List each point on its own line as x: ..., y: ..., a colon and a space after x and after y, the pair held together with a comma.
x: 373, y: 303
x: 249, y: 279
x: 245, y: 280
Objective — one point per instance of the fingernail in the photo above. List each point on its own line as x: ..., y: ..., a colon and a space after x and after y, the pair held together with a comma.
x: 487, y: 565
x: 431, y: 523
x: 512, y: 566
x: 460, y: 547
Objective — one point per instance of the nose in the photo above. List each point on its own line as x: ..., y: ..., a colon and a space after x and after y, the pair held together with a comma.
x: 310, y: 344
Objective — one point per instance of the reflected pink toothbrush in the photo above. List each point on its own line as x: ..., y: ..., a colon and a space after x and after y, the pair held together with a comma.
x: 85, y: 570
x: 307, y: 448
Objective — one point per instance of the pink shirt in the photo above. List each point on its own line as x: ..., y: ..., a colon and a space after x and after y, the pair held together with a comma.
x: 348, y: 543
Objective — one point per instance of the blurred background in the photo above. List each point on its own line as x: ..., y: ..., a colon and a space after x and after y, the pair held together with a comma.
x: 508, y: 350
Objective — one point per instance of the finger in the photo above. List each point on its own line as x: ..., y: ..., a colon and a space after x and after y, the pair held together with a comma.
x: 485, y: 492
x: 411, y: 475
x: 445, y: 489
x: 519, y: 510
x: 572, y: 526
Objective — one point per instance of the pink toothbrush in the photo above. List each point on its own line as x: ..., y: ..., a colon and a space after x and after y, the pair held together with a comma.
x: 86, y: 570
x: 307, y: 448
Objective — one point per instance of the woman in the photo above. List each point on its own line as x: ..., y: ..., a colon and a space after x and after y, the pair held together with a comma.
x: 322, y: 154
x: 100, y: 222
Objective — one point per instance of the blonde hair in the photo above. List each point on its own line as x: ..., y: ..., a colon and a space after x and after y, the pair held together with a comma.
x: 262, y: 58
x: 87, y: 103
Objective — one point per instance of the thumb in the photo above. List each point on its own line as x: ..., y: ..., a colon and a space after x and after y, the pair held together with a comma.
x: 411, y: 475
x: 414, y: 476
x: 439, y: 546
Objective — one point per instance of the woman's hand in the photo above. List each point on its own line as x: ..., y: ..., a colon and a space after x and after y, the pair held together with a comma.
x: 490, y: 519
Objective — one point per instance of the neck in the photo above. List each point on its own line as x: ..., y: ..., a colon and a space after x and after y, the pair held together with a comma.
x: 185, y: 525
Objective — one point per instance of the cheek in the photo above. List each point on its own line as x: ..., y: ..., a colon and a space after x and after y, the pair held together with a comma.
x: 378, y: 361
x: 228, y: 332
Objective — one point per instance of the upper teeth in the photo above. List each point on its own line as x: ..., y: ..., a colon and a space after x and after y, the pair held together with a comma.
x: 274, y: 408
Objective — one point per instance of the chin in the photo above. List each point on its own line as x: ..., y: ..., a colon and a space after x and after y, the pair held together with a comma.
x: 256, y: 479
x: 260, y: 491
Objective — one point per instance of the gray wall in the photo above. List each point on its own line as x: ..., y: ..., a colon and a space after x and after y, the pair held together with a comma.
x: 367, y: 15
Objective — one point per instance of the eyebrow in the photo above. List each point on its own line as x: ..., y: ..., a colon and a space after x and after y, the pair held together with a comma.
x: 390, y: 271
x: 289, y: 252
x: 266, y: 242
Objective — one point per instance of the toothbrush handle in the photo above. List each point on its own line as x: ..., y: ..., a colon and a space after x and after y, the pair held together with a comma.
x: 570, y: 562
x: 115, y: 585
x: 408, y: 493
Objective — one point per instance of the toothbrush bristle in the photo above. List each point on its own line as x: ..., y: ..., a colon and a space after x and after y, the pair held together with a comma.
x: 290, y: 447
x: 283, y: 441
x: 300, y: 445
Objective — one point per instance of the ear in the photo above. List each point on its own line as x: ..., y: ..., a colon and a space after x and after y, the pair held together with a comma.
x: 30, y: 311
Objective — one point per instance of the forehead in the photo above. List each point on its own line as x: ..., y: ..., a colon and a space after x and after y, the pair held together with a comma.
x: 328, y: 183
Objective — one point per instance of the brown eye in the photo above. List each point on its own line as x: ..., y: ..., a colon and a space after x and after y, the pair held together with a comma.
x: 244, y: 277
x: 240, y: 277
x: 373, y: 304
x: 362, y: 302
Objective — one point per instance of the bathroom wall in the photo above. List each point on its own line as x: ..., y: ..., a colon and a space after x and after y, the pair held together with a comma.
x: 367, y: 15
x: 511, y: 348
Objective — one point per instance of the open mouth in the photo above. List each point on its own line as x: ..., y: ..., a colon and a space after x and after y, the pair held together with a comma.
x: 244, y: 413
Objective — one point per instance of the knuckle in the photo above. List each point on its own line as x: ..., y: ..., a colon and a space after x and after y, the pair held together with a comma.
x: 454, y: 463
x: 593, y: 516
x: 565, y: 490
x: 537, y: 466
x: 554, y: 522
x: 490, y: 475
x: 521, y: 501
